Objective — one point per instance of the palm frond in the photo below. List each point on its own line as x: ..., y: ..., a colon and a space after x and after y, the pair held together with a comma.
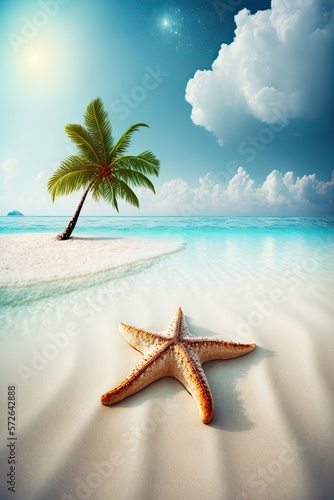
x: 99, y: 128
x: 109, y: 188
x: 72, y: 175
x: 134, y: 178
x: 124, y: 142
x: 145, y: 162
x: 85, y: 144
x: 104, y: 189
x: 126, y: 193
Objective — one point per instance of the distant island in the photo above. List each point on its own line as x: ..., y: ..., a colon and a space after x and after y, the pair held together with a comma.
x: 15, y: 213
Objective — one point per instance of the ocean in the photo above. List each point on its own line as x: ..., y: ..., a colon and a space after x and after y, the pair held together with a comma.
x: 183, y: 226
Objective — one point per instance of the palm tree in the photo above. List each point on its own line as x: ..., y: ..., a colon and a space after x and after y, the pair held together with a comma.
x: 101, y: 165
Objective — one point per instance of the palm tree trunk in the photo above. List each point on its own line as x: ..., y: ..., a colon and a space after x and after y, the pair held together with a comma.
x: 65, y: 235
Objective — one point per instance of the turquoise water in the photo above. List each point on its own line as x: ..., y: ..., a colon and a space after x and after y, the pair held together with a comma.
x: 244, y: 255
x: 181, y: 226
x: 241, y: 254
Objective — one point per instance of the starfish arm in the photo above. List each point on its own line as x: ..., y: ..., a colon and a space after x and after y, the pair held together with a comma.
x: 189, y: 372
x: 150, y: 369
x: 210, y: 349
x: 141, y: 340
x: 178, y: 327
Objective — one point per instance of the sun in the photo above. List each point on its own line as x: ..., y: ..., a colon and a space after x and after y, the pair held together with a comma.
x: 35, y: 58
x: 36, y: 61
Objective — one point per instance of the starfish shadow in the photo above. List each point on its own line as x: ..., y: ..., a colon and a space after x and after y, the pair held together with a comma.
x: 164, y: 388
x: 230, y: 413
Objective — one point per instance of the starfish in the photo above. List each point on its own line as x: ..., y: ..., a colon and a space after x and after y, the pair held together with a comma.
x: 174, y: 354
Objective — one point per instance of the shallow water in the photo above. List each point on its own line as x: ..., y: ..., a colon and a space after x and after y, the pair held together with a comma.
x: 239, y: 259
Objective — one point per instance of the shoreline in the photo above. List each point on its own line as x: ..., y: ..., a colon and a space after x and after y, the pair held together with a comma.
x: 30, y: 258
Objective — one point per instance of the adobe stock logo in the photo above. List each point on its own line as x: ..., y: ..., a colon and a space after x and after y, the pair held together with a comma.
x: 30, y: 27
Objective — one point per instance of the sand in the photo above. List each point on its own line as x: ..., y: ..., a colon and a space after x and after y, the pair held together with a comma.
x: 271, y: 436
x: 35, y: 257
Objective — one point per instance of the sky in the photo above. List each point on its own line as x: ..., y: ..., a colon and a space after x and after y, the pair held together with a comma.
x: 238, y: 96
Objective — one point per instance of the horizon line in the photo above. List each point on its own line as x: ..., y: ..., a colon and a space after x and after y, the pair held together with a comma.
x: 183, y: 216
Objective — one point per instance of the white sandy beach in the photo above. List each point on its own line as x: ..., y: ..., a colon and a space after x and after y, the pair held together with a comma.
x: 35, y: 257
x: 271, y: 436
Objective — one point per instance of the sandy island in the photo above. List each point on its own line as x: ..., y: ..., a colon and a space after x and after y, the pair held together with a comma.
x: 28, y: 258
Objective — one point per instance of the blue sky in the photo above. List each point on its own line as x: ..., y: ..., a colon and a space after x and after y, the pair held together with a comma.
x: 237, y: 94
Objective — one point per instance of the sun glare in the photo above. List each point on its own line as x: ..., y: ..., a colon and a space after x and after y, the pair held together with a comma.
x: 35, y: 58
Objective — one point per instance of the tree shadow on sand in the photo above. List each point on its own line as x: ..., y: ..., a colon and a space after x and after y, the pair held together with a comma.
x: 97, y: 238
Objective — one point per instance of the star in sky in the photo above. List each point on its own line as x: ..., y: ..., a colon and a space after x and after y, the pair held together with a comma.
x: 183, y: 29
x: 171, y: 26
x: 165, y: 22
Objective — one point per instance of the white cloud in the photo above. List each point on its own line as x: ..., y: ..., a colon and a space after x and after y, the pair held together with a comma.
x: 228, y: 192
x: 279, y: 194
x: 8, y: 165
x: 9, y: 168
x: 40, y: 177
x: 278, y: 63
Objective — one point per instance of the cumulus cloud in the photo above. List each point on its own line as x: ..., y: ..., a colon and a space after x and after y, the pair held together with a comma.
x: 278, y: 63
x: 279, y: 194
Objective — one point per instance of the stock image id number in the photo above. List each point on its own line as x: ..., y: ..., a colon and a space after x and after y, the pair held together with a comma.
x: 11, y: 398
